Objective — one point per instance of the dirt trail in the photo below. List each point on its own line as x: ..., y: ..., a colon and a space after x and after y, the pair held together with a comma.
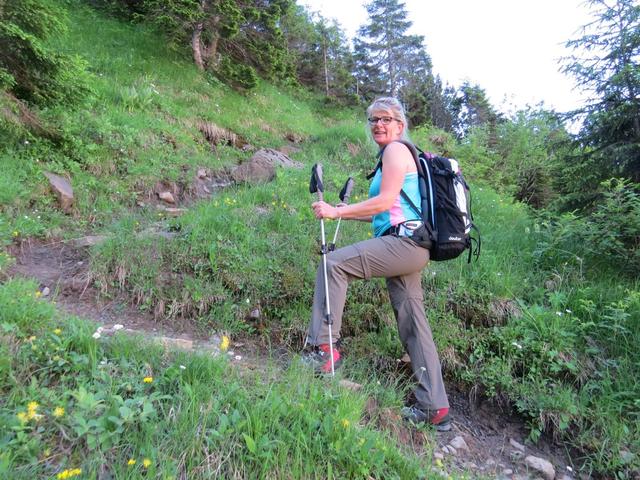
x: 493, y: 439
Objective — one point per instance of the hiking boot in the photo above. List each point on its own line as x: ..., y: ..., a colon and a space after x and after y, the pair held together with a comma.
x: 440, y: 418
x: 319, y: 358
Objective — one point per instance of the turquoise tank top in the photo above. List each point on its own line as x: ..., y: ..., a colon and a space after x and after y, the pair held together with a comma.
x: 400, y: 211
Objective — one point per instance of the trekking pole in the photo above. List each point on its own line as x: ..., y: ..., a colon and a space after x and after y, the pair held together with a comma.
x: 345, y: 193
x: 316, y: 186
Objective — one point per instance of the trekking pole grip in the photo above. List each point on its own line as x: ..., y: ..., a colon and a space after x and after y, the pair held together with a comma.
x: 315, y: 184
x: 345, y: 193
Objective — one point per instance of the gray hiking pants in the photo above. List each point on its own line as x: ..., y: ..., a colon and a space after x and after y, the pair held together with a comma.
x: 400, y: 261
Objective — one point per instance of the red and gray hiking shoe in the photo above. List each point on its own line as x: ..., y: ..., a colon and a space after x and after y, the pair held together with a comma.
x: 319, y: 358
x: 440, y: 418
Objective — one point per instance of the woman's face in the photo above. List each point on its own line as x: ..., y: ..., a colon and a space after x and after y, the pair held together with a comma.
x: 385, y: 128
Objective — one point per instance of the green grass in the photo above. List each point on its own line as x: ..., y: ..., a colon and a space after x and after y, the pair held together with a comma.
x: 100, y: 403
x: 555, y: 339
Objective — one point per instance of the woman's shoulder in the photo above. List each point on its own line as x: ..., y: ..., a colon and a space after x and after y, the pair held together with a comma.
x: 398, y: 151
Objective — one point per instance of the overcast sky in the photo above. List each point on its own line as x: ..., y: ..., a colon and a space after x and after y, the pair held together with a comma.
x: 510, y: 48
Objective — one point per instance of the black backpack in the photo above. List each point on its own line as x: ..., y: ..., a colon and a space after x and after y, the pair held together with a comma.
x: 445, y: 207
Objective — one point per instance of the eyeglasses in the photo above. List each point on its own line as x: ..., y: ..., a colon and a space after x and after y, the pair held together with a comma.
x: 384, y: 120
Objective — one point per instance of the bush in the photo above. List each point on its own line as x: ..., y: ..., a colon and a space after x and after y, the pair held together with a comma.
x: 608, y: 237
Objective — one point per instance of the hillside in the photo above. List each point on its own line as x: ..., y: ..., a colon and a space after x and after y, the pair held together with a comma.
x: 535, y: 344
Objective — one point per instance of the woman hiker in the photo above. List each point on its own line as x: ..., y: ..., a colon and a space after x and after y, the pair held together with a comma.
x: 390, y: 254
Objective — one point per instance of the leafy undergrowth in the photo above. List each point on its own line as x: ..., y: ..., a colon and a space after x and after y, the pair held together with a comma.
x: 535, y: 323
x: 77, y: 403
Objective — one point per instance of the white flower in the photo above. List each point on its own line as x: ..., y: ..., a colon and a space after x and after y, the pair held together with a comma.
x: 238, y: 357
x: 117, y: 327
x: 568, y: 311
x: 182, y: 367
x: 559, y: 314
x: 96, y: 335
x: 100, y: 330
x: 517, y: 345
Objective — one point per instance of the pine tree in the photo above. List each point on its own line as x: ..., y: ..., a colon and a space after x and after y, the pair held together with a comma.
x: 29, y: 68
x: 606, y: 64
x: 389, y: 61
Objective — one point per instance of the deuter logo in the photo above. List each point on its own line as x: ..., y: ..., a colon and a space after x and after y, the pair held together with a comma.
x: 454, y: 239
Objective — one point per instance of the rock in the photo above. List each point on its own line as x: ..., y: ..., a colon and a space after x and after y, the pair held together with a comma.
x: 626, y: 456
x: 167, y: 197
x: 516, y: 445
x: 470, y: 466
x: 201, y: 173
x: 179, y: 343
x: 350, y: 385
x: 458, y: 443
x: 565, y: 477
x: 507, y: 472
x: 516, y: 455
x: 445, y: 449
x: 405, y: 358
x: 46, y: 291
x: 174, y: 212
x: 63, y: 190
x: 541, y: 465
x: 261, y: 167
x: 88, y: 241
x: 438, y: 456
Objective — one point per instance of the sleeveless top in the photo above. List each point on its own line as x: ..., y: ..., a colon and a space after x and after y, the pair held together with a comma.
x: 400, y: 211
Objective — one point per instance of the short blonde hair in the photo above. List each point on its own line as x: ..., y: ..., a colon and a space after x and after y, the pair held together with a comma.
x: 392, y: 105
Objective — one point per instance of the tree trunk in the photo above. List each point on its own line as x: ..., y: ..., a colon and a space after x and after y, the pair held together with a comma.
x: 196, y: 46
x: 326, y: 69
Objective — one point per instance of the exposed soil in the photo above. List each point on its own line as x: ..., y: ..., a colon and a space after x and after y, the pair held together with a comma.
x: 487, y: 430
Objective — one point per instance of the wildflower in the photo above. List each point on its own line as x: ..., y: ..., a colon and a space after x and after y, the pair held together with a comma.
x: 439, y: 463
x: 117, y: 327
x: 32, y: 406
x: 31, y: 338
x: 147, y: 379
x: 16, y: 233
x: 559, y: 314
x: 224, y: 343
x: 69, y: 473
x: 517, y: 345
x: 57, y: 331
x: 345, y: 423
x: 58, y: 412
x: 132, y: 461
x: 238, y: 357
x: 96, y: 335
x: 568, y: 311
x: 22, y: 416
x: 182, y: 367
x: 38, y: 294
x: 146, y: 463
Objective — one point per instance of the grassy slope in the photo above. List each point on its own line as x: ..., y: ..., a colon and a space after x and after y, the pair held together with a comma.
x: 566, y: 361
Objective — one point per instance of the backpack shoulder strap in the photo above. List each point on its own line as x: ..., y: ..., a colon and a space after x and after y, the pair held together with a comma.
x: 378, y: 165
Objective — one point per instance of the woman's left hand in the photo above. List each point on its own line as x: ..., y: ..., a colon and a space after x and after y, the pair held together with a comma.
x: 324, y: 210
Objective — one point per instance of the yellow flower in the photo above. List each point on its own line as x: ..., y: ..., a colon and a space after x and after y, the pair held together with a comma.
x: 57, y: 331
x: 345, y: 423
x: 32, y: 406
x: 439, y: 463
x: 58, y: 412
x: 146, y: 463
x: 31, y: 338
x: 224, y: 343
x: 22, y: 417
x: 16, y: 233
x: 147, y: 379
x: 132, y: 461
x: 38, y: 294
